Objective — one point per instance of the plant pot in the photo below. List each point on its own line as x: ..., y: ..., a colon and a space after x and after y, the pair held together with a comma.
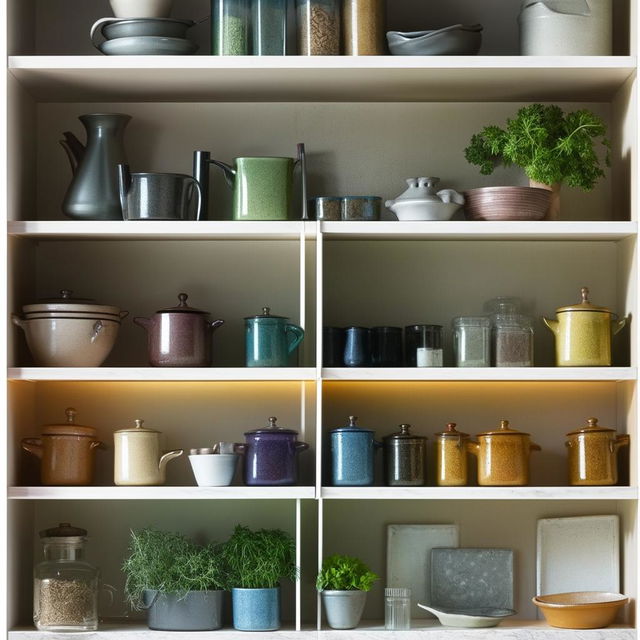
x: 256, y: 609
x: 343, y: 608
x: 195, y: 611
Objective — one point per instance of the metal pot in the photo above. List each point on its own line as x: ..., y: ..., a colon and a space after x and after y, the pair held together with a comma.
x: 270, y: 339
x: 66, y: 452
x: 451, y: 457
x: 352, y: 455
x: 270, y: 455
x: 592, y: 452
x: 139, y: 460
x: 583, y: 333
x: 503, y: 456
x: 179, y: 336
x: 69, y: 332
x: 404, y: 458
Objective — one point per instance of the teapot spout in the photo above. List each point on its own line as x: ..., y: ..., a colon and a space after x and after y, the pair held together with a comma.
x: 170, y: 455
x: 74, y: 148
x: 551, y: 324
x: 229, y: 171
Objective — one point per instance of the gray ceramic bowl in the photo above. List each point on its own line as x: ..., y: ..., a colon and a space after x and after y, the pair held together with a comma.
x: 111, y: 28
x: 456, y: 40
x: 148, y: 46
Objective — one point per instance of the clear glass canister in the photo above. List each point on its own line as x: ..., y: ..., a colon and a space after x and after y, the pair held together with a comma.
x: 472, y: 341
x: 397, y: 608
x: 318, y: 27
x: 451, y: 457
x: 269, y: 27
x: 230, y: 27
x: 65, y: 587
x: 423, y: 345
x: 363, y: 24
x: 512, y: 341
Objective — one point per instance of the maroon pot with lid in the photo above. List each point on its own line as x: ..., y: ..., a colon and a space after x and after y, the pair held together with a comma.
x: 179, y: 336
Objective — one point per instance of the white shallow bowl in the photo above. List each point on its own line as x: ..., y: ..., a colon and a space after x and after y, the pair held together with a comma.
x: 408, y: 210
x: 469, y: 618
x: 215, y: 469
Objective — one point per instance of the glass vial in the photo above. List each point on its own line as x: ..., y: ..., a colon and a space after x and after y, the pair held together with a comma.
x: 363, y: 25
x: 269, y: 27
x: 423, y: 345
x: 512, y: 341
x: 230, y: 27
x: 318, y: 25
x: 472, y: 341
x: 397, y: 608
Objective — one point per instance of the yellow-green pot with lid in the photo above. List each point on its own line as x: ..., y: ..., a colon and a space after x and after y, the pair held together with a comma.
x: 592, y: 454
x: 451, y: 457
x: 583, y: 333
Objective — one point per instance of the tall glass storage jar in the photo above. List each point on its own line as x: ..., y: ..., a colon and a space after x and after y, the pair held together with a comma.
x: 318, y: 25
x: 363, y: 26
x: 269, y: 27
x: 230, y: 27
x: 65, y: 587
x: 472, y: 341
x: 512, y: 340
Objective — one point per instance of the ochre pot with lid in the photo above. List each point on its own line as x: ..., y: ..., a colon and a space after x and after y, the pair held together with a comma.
x: 583, y: 333
x: 503, y: 456
x: 66, y: 452
x: 592, y: 453
x: 451, y: 457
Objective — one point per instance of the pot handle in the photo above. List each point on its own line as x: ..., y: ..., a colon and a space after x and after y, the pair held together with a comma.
x: 33, y: 446
x: 621, y: 440
x: 240, y: 447
x: 534, y: 447
x: 618, y: 325
x: 145, y: 323
x: 377, y: 445
x: 97, y: 329
x: 94, y: 28
x: 18, y: 321
x: 298, y: 335
x: 472, y: 447
x: 123, y: 314
x: 96, y: 444
x: 215, y: 324
x: 169, y: 455
x: 301, y: 446
x: 145, y: 606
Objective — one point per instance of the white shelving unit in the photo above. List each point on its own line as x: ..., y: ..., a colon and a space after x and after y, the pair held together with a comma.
x: 367, y: 123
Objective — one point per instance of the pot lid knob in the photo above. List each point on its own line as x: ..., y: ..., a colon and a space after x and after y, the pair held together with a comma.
x: 404, y: 429
x: 504, y: 425
x: 183, y: 299
x: 71, y: 415
x: 585, y: 295
x: 66, y: 294
x: 451, y: 427
x: 272, y: 422
x: 138, y: 423
x: 592, y: 422
x: 266, y: 311
x: 352, y: 421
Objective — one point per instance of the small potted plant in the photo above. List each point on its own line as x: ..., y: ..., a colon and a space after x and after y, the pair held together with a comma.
x: 255, y: 562
x: 179, y: 582
x: 344, y: 582
x: 550, y: 146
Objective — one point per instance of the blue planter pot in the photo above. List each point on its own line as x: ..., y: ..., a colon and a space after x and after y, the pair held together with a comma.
x: 256, y: 609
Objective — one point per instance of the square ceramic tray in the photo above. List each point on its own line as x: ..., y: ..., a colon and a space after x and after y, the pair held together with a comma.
x: 472, y: 578
x: 578, y: 554
x: 409, y: 558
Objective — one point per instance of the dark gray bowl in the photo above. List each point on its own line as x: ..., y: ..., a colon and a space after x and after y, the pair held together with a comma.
x: 456, y: 40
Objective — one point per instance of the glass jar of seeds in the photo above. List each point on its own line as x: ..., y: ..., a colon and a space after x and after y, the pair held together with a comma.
x: 472, y: 341
x: 363, y: 25
x: 230, y: 27
x: 512, y: 340
x: 65, y: 587
x: 269, y: 27
x: 318, y: 25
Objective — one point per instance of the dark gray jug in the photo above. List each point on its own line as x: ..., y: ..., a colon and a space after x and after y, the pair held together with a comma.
x: 93, y: 192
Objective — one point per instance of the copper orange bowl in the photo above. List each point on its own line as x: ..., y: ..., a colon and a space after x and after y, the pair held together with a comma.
x: 581, y: 609
x: 506, y: 203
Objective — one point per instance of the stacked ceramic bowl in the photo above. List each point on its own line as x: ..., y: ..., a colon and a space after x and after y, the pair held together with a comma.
x: 506, y: 203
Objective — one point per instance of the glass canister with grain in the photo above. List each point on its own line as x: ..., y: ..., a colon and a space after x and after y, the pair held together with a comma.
x: 318, y: 26
x: 363, y: 26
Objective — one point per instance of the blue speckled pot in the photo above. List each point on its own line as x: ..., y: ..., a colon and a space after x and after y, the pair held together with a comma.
x: 270, y: 340
x: 256, y: 609
x: 352, y: 455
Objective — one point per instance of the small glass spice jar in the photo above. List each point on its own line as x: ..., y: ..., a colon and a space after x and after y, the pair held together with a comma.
x: 404, y: 458
x: 230, y: 27
x: 472, y: 341
x: 363, y: 23
x: 512, y: 340
x: 327, y: 207
x: 386, y: 346
x: 361, y: 207
x: 397, y: 608
x: 451, y: 457
x: 269, y: 27
x: 423, y: 345
x: 318, y: 27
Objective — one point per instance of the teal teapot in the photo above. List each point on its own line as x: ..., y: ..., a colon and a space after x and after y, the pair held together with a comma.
x: 270, y: 339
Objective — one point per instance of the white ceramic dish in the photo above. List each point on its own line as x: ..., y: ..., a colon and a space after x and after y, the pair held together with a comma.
x: 455, y: 40
x: 578, y: 554
x: 148, y: 46
x: 469, y: 618
x: 409, y: 558
x: 407, y: 210
x: 141, y: 8
x: 214, y: 470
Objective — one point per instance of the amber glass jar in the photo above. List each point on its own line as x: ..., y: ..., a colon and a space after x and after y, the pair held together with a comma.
x: 451, y: 457
x: 363, y: 26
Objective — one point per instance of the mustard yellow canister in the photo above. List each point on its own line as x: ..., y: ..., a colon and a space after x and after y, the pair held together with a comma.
x: 583, y: 333
x: 592, y: 452
x: 451, y: 457
x: 503, y: 456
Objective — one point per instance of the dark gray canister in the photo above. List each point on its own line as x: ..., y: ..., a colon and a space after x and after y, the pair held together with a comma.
x: 352, y: 455
x: 404, y: 458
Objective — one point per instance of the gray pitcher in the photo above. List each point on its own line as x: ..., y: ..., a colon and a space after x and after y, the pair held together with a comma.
x: 93, y: 192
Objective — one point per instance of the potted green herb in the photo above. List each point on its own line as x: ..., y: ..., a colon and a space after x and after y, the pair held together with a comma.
x: 550, y: 146
x: 179, y: 582
x: 255, y: 562
x: 344, y: 582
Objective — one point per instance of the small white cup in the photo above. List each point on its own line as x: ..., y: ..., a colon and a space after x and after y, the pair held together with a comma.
x: 141, y: 8
x: 215, y: 469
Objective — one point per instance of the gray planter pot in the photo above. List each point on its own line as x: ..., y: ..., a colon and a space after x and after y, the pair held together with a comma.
x: 343, y: 608
x: 195, y: 611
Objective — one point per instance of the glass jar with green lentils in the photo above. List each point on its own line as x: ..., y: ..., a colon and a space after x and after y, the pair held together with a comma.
x: 230, y: 27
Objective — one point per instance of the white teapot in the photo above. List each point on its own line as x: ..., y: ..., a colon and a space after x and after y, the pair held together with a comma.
x: 421, y: 201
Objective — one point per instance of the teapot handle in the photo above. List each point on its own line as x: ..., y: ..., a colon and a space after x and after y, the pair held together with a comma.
x: 298, y: 335
x: 622, y: 440
x: 618, y: 325
x: 534, y: 447
x: 472, y: 447
x: 215, y: 324
x: 198, y: 190
x: 301, y: 446
x: 33, y: 446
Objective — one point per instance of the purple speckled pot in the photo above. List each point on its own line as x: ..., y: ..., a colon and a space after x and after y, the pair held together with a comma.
x: 270, y: 456
x: 179, y: 336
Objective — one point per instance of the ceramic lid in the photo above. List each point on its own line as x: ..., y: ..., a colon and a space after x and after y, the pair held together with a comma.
x: 203, y: 451
x: 66, y: 302
x: 503, y: 430
x: 451, y: 432
x: 266, y: 313
x: 63, y: 530
x: 183, y: 307
x: 272, y: 429
x: 584, y: 305
x: 422, y: 189
x: 351, y: 427
x: 138, y: 428
x: 404, y: 434
x: 592, y: 427
x: 70, y: 428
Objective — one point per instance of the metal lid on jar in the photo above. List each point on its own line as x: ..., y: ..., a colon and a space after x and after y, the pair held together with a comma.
x: 592, y: 427
x: 203, y: 451
x: 183, y: 307
x: 584, y: 304
x: 266, y: 313
x: 471, y: 321
x: 63, y: 530
x: 138, y: 428
x: 404, y: 435
x: 351, y: 427
x: 271, y: 429
x: 70, y: 428
x: 503, y: 430
x: 67, y: 303
x: 451, y: 432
